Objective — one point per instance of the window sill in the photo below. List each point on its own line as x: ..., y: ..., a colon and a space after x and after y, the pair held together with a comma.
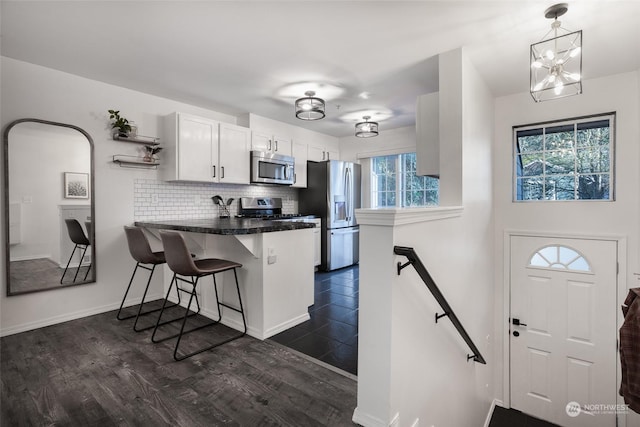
x: 391, y: 217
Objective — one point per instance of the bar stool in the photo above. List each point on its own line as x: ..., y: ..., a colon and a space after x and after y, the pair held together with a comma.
x: 79, y: 239
x: 182, y: 264
x: 140, y: 251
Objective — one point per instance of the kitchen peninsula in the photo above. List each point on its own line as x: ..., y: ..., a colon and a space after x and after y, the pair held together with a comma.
x: 276, y: 278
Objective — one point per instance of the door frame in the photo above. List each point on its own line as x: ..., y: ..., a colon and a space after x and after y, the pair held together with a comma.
x: 621, y: 291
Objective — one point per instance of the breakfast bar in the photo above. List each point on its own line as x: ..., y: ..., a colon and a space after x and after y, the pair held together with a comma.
x: 276, y: 278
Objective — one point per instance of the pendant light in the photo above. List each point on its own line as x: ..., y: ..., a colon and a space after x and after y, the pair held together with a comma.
x: 366, y: 129
x: 310, y: 107
x: 556, y: 63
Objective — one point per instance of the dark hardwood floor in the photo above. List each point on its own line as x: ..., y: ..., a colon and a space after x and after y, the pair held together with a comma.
x: 331, y: 335
x: 96, y: 371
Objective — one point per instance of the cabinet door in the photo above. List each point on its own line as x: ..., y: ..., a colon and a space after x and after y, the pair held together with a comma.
x: 282, y: 146
x: 234, y: 154
x: 332, y: 154
x: 261, y: 141
x: 300, y: 155
x: 316, y: 153
x: 197, y: 149
x: 318, y: 246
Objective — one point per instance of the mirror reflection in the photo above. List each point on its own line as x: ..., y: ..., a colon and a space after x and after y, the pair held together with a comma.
x: 49, y: 206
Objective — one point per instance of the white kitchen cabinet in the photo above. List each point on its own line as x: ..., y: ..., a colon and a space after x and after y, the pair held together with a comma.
x: 204, y: 150
x: 234, y: 154
x: 317, y: 242
x: 269, y: 143
x: 299, y: 152
x: 320, y: 153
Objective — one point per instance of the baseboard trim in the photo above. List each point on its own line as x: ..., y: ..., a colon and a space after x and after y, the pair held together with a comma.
x: 24, y: 327
x: 367, y: 420
x: 494, y: 403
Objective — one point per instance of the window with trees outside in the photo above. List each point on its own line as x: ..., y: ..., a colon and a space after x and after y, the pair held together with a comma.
x: 394, y: 183
x: 568, y: 160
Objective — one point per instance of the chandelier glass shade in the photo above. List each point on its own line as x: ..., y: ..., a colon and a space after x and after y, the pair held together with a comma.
x: 366, y: 129
x: 556, y: 63
x: 310, y: 107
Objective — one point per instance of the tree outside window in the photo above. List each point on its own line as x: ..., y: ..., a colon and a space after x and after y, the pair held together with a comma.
x: 572, y: 160
x: 394, y: 183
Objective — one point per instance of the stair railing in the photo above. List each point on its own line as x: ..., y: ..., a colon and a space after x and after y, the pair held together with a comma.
x: 448, y: 311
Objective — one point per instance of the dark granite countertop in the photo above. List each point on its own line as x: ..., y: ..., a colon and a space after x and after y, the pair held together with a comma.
x: 229, y: 226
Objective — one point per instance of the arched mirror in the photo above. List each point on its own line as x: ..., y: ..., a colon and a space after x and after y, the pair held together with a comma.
x: 49, y: 206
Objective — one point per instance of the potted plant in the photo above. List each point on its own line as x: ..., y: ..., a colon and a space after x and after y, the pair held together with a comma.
x: 150, y: 152
x: 120, y: 125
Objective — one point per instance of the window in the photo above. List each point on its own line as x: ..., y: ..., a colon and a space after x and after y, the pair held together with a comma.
x: 559, y: 257
x: 569, y: 160
x: 394, y: 183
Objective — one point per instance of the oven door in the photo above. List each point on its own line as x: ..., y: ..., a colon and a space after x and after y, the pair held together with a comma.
x: 267, y: 168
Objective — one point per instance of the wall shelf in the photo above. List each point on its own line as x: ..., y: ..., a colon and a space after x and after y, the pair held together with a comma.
x: 140, y: 139
x: 133, y: 162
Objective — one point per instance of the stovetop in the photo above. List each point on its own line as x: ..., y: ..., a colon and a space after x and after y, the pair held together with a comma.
x: 264, y: 208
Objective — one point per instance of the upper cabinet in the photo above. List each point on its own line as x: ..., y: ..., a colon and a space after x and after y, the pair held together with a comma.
x: 300, y: 166
x: 428, y: 135
x: 267, y: 142
x: 320, y: 153
x: 200, y: 149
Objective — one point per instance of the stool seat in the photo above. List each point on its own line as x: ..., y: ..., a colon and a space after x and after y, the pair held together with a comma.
x: 208, y: 266
x: 183, y: 265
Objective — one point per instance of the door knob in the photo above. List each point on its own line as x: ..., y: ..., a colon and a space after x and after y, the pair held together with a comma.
x: 516, y: 333
x: 517, y: 322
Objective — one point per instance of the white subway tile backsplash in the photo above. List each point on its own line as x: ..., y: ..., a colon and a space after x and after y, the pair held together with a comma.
x: 193, y: 200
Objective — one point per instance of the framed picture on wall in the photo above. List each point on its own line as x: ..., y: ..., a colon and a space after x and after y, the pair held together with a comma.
x: 76, y: 185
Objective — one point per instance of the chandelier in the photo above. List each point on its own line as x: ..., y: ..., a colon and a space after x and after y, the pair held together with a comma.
x: 366, y: 129
x: 310, y: 107
x: 556, y: 63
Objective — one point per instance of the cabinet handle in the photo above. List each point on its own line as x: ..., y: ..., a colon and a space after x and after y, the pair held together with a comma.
x: 328, y: 158
x: 214, y: 171
x: 295, y: 176
x: 269, y: 145
x: 276, y: 145
x: 323, y: 155
x: 222, y: 172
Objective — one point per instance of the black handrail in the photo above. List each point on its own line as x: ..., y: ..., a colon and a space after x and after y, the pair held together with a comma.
x: 448, y: 311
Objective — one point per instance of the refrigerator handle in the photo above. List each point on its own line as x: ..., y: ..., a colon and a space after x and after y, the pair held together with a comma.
x: 346, y: 192
x: 349, y: 195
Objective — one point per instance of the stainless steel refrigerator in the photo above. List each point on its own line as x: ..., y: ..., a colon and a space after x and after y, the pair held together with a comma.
x: 333, y: 194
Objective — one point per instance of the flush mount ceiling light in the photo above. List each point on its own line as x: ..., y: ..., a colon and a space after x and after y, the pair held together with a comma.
x: 310, y: 107
x: 366, y: 129
x: 556, y: 63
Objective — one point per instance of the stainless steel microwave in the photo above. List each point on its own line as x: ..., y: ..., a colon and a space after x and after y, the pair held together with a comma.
x: 269, y: 168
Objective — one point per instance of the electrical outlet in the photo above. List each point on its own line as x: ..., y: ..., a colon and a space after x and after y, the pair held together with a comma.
x: 271, y: 256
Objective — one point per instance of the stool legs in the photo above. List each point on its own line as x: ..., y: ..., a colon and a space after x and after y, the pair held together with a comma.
x: 69, y: 262
x: 146, y: 289
x: 174, y: 279
x: 194, y: 282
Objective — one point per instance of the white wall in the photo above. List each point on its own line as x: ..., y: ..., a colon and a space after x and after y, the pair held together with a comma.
x: 619, y: 93
x: 390, y: 141
x: 410, y: 367
x: 38, y: 92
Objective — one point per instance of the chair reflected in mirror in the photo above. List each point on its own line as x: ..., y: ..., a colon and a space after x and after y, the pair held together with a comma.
x: 81, y: 243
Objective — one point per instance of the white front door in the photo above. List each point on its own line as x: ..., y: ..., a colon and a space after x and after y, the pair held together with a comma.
x: 563, y: 295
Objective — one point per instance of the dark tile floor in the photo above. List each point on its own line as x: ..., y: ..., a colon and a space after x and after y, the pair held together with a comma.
x: 503, y: 417
x: 331, y: 335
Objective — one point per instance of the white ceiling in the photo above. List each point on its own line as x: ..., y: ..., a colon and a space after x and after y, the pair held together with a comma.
x: 245, y: 56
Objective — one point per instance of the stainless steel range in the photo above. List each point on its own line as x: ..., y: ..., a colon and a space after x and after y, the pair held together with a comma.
x: 265, y: 208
